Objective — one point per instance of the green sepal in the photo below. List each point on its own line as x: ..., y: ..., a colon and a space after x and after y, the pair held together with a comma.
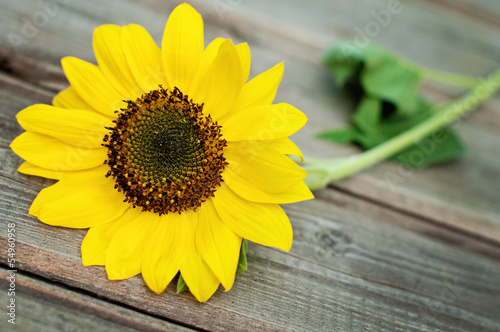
x: 242, y: 263
x: 181, y: 285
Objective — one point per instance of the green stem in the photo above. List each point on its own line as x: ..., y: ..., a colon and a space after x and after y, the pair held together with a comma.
x: 452, y: 79
x: 322, y: 171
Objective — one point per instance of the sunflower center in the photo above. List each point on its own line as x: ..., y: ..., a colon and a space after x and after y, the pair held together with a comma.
x: 164, y: 153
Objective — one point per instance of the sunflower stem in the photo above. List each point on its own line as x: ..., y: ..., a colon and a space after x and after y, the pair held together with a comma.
x: 322, y: 171
x: 457, y: 80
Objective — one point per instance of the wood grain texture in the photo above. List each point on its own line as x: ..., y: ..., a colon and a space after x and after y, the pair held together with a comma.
x: 464, y: 192
x: 346, y: 270
x: 418, y: 253
x: 46, y: 307
x: 350, y: 267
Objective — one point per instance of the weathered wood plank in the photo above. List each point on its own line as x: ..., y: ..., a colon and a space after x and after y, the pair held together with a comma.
x: 428, y: 228
x: 298, y: 35
x: 351, y: 266
x: 346, y: 270
x: 458, y: 194
x: 484, y: 12
x: 354, y: 265
x: 41, y: 306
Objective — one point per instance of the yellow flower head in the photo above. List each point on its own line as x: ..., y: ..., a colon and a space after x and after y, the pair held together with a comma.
x: 168, y: 155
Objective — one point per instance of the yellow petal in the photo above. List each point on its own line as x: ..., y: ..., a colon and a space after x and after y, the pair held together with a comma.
x: 143, y: 57
x: 165, y: 252
x: 112, y: 61
x: 261, y: 90
x: 285, y: 146
x: 265, y: 167
x: 84, y: 200
x: 30, y: 169
x: 50, y: 153
x: 68, y: 98
x: 75, y: 127
x: 262, y: 123
x: 222, y: 84
x: 124, y: 255
x: 96, y: 242
x: 250, y: 191
x: 201, y: 281
x: 182, y: 45
x: 208, y: 56
x: 91, y: 85
x: 243, y: 51
x: 218, y: 245
x: 265, y: 224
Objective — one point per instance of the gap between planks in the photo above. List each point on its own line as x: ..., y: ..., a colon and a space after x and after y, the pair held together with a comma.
x: 422, y: 224
x: 456, y: 235
x: 54, y: 305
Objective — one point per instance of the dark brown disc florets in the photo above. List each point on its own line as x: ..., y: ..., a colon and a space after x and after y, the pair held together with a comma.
x: 164, y: 153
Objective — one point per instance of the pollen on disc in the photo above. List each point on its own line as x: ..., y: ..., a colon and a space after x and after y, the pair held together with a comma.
x: 165, y: 155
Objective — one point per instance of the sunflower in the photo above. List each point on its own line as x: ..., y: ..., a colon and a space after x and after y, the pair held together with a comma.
x: 170, y: 156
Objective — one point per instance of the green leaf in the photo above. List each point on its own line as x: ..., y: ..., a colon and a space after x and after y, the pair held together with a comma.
x: 242, y: 263
x: 344, y: 61
x: 443, y: 146
x: 389, y: 104
x: 399, y: 123
x: 380, y: 73
x: 181, y: 285
x: 368, y: 141
x: 388, y: 78
x: 339, y: 136
x: 368, y: 115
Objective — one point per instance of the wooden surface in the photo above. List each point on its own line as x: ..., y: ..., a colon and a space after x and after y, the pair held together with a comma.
x: 418, y: 254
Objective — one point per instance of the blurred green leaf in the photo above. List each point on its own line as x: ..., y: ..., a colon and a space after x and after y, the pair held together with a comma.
x: 389, y: 104
x: 344, y: 60
x: 368, y: 115
x: 380, y: 73
x: 388, y: 78
x: 438, y: 148
x: 341, y: 136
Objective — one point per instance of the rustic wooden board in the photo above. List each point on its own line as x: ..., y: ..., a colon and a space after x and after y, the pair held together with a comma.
x: 41, y: 306
x: 369, y: 254
x: 347, y: 269
x: 352, y: 265
x: 459, y: 194
x: 466, y: 200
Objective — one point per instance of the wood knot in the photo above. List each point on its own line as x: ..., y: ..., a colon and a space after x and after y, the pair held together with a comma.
x: 333, y: 240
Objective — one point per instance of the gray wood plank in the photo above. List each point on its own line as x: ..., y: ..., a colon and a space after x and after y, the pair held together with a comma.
x: 44, y: 307
x: 347, y: 270
x: 298, y: 35
x: 354, y: 265
x: 458, y: 194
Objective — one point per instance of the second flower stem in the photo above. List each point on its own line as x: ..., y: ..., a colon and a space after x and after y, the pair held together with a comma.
x: 452, y: 79
x: 322, y: 171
